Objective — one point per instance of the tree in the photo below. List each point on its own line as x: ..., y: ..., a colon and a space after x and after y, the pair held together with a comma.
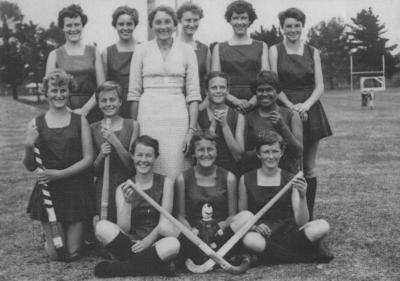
x: 270, y: 37
x: 9, y: 59
x: 331, y: 39
x: 367, y: 44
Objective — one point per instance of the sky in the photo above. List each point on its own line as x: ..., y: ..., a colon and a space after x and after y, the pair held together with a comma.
x: 213, y: 26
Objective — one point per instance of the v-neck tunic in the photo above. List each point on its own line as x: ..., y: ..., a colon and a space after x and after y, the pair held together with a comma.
x: 164, y: 86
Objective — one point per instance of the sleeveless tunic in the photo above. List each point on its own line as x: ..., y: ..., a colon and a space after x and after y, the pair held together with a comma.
x: 118, y: 66
x: 286, y: 243
x: 118, y: 172
x: 296, y: 74
x: 60, y: 148
x: 224, y: 156
x: 196, y: 196
x: 201, y: 54
x: 82, y: 68
x: 242, y: 63
x: 258, y: 196
x: 257, y: 125
x: 144, y: 218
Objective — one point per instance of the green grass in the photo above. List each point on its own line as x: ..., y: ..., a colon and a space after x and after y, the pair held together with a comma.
x: 358, y: 194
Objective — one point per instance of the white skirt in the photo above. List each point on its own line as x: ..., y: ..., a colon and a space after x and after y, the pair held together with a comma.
x: 163, y: 115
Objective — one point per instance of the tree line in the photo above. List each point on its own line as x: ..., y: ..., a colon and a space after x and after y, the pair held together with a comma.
x: 24, y: 46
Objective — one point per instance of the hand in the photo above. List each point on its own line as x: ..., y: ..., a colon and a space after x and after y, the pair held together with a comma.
x: 80, y: 111
x: 109, y: 136
x: 276, y: 119
x: 47, y: 175
x: 195, y: 231
x: 32, y: 135
x: 263, y: 229
x: 127, y: 192
x: 140, y: 245
x: 243, y: 106
x: 105, y: 148
x: 301, y: 185
x: 220, y: 117
x: 186, y: 142
x: 304, y: 116
x: 301, y: 107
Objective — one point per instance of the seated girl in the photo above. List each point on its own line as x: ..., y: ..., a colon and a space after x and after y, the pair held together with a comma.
x: 284, y: 234
x: 207, y: 199
x: 139, y: 241
x: 113, y: 140
x: 218, y: 117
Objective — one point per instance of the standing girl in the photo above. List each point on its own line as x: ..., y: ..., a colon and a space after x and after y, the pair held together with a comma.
x: 240, y: 57
x: 299, y: 69
x: 82, y: 61
x: 65, y: 144
x: 117, y: 57
x: 189, y: 16
x: 114, y: 142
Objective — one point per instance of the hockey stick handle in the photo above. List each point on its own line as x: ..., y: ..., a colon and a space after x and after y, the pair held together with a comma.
x: 106, y: 180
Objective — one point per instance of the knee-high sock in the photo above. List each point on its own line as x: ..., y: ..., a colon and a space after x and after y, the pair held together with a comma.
x: 140, y: 264
x: 310, y: 195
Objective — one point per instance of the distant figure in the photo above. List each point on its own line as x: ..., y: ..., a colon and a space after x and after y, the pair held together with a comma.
x: 367, y: 99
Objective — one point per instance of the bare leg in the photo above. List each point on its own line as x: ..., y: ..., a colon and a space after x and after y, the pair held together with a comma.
x: 167, y: 248
x: 74, y: 237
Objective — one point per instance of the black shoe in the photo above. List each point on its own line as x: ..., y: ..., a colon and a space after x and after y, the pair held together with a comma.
x: 324, y: 254
x: 168, y: 269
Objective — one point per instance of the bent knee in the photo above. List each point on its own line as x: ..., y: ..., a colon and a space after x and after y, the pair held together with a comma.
x: 106, y: 231
x: 254, y: 241
x: 168, y: 248
x: 317, y: 229
x: 166, y: 229
x: 240, y: 219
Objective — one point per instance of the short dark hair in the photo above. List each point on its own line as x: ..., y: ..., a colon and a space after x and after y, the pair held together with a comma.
x: 203, y: 135
x: 266, y: 77
x: 166, y: 9
x: 269, y: 137
x: 189, y: 7
x: 240, y: 7
x: 72, y: 11
x: 58, y: 77
x: 221, y: 74
x: 293, y: 13
x: 125, y: 10
x: 109, y: 86
x: 146, y: 141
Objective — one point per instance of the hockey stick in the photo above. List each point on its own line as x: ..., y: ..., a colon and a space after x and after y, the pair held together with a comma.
x: 191, y: 236
x: 208, y: 265
x: 55, y: 228
x: 106, y: 180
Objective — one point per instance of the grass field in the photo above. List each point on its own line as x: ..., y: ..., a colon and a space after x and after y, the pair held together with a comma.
x: 358, y: 194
